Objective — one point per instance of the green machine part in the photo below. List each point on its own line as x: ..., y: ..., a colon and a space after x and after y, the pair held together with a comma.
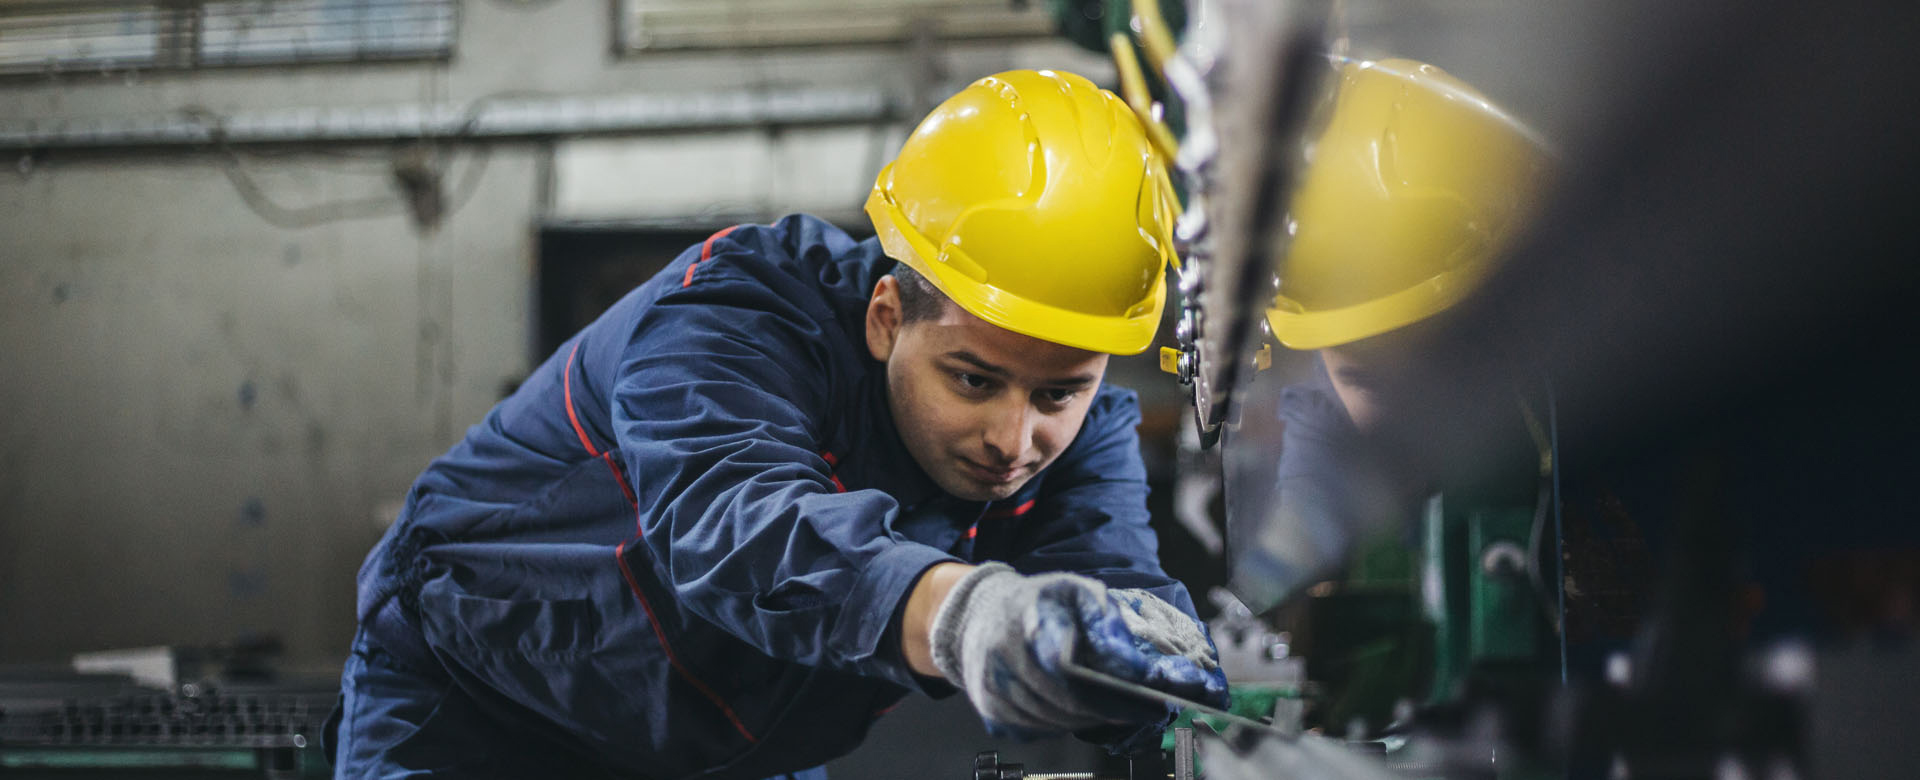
x: 1254, y: 702
x: 1475, y: 592
x: 1415, y: 615
x: 1369, y: 643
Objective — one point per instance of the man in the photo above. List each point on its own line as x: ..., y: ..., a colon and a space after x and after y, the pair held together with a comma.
x: 1417, y: 182
x: 774, y: 489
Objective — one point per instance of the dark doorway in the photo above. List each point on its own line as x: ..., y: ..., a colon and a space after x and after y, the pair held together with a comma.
x: 585, y: 270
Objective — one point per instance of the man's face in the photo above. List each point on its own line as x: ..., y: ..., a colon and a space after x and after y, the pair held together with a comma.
x: 982, y: 409
x: 1370, y: 376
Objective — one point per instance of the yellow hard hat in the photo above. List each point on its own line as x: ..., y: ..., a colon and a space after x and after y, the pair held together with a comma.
x: 1410, y: 191
x: 1034, y: 201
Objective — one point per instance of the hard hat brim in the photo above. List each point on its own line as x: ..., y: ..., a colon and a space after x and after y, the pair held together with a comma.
x: 1299, y: 329
x: 1124, y: 335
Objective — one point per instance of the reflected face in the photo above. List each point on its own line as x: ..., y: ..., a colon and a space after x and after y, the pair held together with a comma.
x: 1369, y: 379
x: 982, y: 409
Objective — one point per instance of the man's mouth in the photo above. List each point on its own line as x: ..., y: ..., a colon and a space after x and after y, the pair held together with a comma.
x: 990, y: 476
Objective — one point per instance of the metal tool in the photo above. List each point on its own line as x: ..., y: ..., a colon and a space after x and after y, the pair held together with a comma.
x: 988, y: 766
x: 1137, y: 690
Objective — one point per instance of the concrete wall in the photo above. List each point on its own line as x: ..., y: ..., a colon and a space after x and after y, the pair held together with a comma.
x: 209, y: 415
x: 205, y: 411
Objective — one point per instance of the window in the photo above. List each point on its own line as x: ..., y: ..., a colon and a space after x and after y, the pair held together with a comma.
x: 651, y: 25
x: 52, y: 35
x: 105, y: 36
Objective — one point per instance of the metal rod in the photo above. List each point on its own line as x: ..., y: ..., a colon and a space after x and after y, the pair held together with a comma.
x: 484, y: 118
x: 1151, y: 694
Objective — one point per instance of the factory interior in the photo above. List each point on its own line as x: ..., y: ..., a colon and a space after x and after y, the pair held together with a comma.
x: 1639, y: 504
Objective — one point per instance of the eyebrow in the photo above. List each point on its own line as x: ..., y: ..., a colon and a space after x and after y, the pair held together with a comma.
x: 1077, y: 380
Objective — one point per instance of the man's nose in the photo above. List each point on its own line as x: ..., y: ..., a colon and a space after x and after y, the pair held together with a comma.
x: 1009, y: 432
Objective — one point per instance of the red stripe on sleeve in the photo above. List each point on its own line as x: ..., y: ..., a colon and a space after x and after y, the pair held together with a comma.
x: 619, y: 475
x: 706, y: 252
x: 566, y: 383
x: 620, y: 558
x: 833, y: 476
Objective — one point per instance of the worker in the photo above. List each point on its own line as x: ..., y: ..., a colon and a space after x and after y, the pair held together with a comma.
x: 1416, y: 183
x: 795, y: 476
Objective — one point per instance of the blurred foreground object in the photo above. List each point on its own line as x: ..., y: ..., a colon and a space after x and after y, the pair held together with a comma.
x: 1411, y: 186
x: 1700, y: 344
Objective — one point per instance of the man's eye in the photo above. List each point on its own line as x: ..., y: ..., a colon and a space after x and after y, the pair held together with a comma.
x: 971, y: 381
x: 1058, y: 396
x: 1365, y: 381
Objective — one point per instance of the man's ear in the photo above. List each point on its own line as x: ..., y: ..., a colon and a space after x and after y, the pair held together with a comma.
x: 884, y: 317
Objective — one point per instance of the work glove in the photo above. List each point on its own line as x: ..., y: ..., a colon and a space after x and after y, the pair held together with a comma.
x: 1002, y: 637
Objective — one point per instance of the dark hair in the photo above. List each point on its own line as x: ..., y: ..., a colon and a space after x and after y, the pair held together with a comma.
x: 919, y: 299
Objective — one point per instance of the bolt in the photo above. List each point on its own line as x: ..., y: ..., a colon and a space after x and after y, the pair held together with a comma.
x: 1619, y: 670
x: 1191, y: 278
x: 1503, y: 558
x: 1788, y: 667
x: 1191, y: 227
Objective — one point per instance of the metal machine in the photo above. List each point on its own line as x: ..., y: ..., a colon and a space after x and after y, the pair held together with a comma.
x: 215, y: 712
x: 1673, y: 540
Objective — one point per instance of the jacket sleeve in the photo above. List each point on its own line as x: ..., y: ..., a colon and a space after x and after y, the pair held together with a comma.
x: 719, y: 411
x: 1091, y: 515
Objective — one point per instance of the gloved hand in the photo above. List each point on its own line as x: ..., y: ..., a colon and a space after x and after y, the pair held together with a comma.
x: 1002, y: 637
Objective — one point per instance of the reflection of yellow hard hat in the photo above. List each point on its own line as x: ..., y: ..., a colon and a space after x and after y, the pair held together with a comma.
x: 1034, y: 201
x: 1409, y: 192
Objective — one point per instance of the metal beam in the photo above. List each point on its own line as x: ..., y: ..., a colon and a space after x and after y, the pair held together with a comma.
x: 483, y: 118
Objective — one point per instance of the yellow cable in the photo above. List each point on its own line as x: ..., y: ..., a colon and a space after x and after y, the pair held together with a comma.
x: 1154, y: 35
x: 1133, y: 87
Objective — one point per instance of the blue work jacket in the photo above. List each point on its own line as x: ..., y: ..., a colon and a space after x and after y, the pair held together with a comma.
x: 683, y: 544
